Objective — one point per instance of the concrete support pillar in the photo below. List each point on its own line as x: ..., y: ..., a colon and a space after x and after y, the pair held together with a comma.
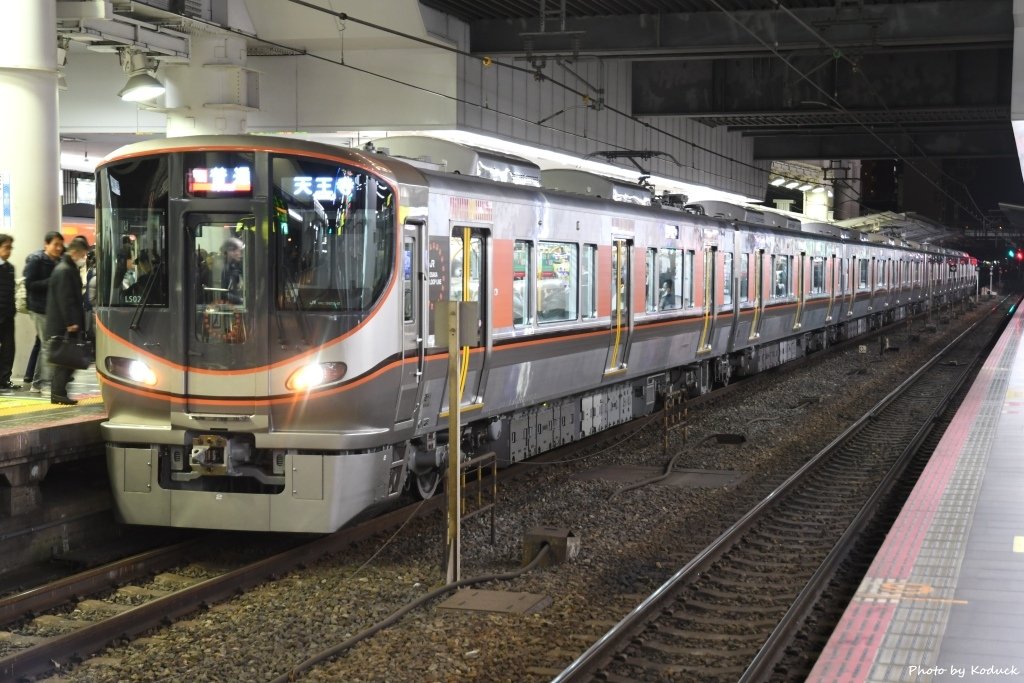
x: 846, y: 187
x: 213, y: 92
x: 29, y: 142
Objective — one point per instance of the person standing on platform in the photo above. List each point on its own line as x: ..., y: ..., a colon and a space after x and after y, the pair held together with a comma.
x: 38, y: 267
x: 65, y: 312
x: 7, y: 313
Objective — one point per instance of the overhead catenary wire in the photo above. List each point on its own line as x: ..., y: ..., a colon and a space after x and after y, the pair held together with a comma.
x: 859, y: 71
x: 831, y: 99
x: 488, y: 61
x: 539, y: 75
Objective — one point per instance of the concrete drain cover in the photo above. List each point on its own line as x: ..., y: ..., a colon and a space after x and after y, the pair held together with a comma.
x: 496, y: 601
x: 630, y: 474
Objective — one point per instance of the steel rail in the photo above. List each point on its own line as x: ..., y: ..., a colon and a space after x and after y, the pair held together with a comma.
x: 591, y: 658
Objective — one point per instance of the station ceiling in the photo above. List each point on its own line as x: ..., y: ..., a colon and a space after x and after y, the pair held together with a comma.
x: 806, y: 79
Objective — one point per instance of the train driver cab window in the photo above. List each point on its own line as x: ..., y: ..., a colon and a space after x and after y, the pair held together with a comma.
x: 557, y: 264
x: 588, y: 290
x: 334, y: 227
x: 132, y: 210
x: 522, y: 276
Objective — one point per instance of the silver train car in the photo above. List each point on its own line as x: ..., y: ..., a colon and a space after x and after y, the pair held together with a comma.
x: 266, y: 314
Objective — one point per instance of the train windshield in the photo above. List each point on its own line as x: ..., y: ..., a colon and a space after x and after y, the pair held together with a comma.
x: 335, y: 233
x: 132, y: 203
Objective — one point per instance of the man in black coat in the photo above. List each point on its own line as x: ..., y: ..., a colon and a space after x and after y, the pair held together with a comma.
x: 65, y: 311
x: 7, y: 312
x: 38, y: 267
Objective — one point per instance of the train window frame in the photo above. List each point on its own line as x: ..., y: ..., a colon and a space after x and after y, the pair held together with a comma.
x: 817, y: 275
x: 744, y: 293
x: 525, y: 285
x: 727, y: 264
x: 671, y: 267
x: 546, y: 293
x: 334, y: 225
x: 651, y: 281
x: 408, y: 279
x: 133, y: 218
x: 862, y: 273
x: 588, y: 282
x: 782, y: 275
x: 688, y: 258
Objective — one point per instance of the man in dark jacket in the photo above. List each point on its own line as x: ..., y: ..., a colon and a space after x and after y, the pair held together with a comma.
x: 65, y: 312
x: 38, y: 267
x: 7, y: 312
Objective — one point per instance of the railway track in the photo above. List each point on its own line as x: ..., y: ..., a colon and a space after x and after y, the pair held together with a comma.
x: 749, y: 590
x: 125, y: 599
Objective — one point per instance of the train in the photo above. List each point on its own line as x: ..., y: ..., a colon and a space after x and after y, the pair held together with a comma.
x: 270, y: 339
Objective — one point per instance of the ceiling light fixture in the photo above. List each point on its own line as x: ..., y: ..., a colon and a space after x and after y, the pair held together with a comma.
x: 805, y: 187
x: 791, y: 184
x: 141, y: 85
x: 778, y: 181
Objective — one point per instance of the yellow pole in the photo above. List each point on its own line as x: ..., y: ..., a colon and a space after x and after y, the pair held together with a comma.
x: 454, y: 481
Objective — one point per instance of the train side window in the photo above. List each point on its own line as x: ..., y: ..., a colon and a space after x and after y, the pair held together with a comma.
x: 522, y: 277
x: 688, y: 278
x: 556, y: 281
x: 588, y: 292
x: 881, y: 277
x: 670, y: 279
x: 862, y: 282
x: 727, y: 279
x: 744, y: 277
x: 651, y: 281
x: 781, y: 268
x: 817, y: 275
x: 408, y: 286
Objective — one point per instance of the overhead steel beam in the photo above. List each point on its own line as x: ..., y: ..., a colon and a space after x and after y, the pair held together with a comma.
x: 940, y: 145
x: 944, y: 23
x: 913, y: 80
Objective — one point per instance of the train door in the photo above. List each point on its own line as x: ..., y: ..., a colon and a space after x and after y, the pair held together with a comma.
x: 801, y: 290
x: 709, y: 291
x: 222, y: 332
x: 853, y: 284
x: 413, y: 320
x: 755, y: 326
x: 833, y: 285
x: 621, y: 309
x: 470, y: 278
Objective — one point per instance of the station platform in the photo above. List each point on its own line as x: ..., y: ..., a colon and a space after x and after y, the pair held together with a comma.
x: 944, y: 598
x: 36, y: 434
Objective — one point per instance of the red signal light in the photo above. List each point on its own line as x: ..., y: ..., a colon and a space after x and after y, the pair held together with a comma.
x: 1020, y: 255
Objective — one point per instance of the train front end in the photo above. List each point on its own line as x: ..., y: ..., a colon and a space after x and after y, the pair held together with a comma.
x: 248, y: 333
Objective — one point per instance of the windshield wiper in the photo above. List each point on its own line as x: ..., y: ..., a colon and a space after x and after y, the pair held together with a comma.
x: 137, y: 316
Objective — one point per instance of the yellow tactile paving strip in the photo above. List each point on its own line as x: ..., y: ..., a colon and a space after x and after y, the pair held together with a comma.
x: 23, y: 404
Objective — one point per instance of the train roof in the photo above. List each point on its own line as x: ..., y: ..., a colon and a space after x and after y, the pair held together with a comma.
x: 392, y: 169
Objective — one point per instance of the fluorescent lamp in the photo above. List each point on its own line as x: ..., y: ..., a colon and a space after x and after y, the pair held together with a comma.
x: 791, y: 185
x: 778, y: 181
x: 818, y: 189
x: 805, y: 187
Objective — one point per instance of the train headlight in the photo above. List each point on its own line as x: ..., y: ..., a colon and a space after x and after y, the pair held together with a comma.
x: 131, y: 369
x: 315, y: 375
